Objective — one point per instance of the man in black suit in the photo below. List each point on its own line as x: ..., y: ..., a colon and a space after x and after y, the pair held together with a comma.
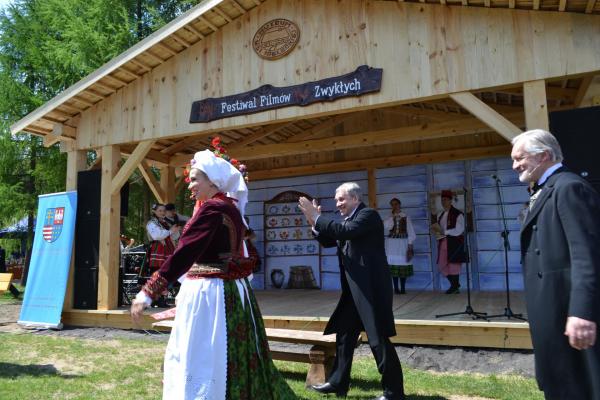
x: 560, y: 249
x: 366, y: 301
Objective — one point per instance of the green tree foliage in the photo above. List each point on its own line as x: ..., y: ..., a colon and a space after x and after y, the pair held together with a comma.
x: 45, y: 47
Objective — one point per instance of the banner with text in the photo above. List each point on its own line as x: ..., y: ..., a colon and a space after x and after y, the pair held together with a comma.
x: 364, y: 80
x: 50, y: 261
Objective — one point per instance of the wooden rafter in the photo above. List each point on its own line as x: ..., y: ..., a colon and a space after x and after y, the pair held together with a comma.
x: 141, y: 64
x: 237, y: 5
x: 384, y: 162
x: 167, y: 48
x: 181, y: 40
x: 261, y: 133
x: 154, y: 56
x: 562, y: 5
x: 323, y: 126
x: 208, y: 23
x: 467, y: 126
x: 486, y: 114
x: 590, y: 6
x: 106, y: 87
x: 152, y: 182
x: 583, y: 88
x: 194, y: 31
x: 222, y: 13
x: 130, y: 165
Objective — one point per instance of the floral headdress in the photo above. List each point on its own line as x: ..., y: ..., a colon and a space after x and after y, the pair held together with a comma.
x: 220, y: 151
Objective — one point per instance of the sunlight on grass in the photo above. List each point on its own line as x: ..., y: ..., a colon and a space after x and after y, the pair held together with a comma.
x: 44, y: 367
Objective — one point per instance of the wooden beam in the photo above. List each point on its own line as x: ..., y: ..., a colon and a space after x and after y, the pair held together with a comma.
x: 372, y: 182
x: 237, y: 5
x: 590, y: 6
x: 76, y: 161
x: 130, y: 165
x: 176, y: 147
x: 153, y: 184
x: 536, y: 108
x: 582, y: 91
x: 154, y: 155
x: 167, y: 183
x: 222, y: 13
x: 167, y: 48
x: 208, y: 23
x: 108, y: 249
x: 427, y: 113
x: 562, y: 5
x: 384, y: 162
x: 195, y: 31
x: 467, y: 126
x: 153, y: 56
x: 261, y: 133
x: 180, y: 40
x: 141, y: 64
x: 106, y: 87
x: 486, y: 114
x: 323, y: 126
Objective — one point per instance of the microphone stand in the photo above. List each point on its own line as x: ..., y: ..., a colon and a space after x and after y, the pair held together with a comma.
x: 508, y: 313
x: 469, y: 309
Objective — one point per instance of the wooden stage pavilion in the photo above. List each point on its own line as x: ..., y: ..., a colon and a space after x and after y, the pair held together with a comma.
x: 449, y: 80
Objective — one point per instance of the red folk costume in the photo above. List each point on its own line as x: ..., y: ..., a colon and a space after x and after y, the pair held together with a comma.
x: 218, y: 348
x: 161, y: 245
x: 210, y: 246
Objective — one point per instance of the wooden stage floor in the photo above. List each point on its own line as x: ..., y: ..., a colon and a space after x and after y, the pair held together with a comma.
x: 414, y: 315
x: 410, y: 306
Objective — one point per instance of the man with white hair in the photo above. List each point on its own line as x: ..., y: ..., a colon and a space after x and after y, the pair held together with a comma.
x: 366, y: 301
x: 560, y: 250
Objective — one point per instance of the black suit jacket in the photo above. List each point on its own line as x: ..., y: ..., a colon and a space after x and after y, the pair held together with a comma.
x: 560, y: 249
x: 364, y: 272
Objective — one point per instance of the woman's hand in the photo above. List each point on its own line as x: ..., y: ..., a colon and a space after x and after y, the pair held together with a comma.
x: 137, y: 310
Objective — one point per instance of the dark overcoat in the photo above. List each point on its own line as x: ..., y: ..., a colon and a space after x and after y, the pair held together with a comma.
x: 364, y: 272
x: 560, y: 248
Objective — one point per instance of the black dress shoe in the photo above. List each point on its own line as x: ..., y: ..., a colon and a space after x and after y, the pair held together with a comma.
x: 328, y: 388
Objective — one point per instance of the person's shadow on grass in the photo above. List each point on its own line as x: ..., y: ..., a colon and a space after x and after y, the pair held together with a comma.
x: 8, y: 370
x: 359, y: 389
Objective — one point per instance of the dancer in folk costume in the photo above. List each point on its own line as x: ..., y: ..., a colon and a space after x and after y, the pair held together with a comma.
x: 399, y: 239
x: 160, y: 235
x: 450, y: 233
x: 218, y: 348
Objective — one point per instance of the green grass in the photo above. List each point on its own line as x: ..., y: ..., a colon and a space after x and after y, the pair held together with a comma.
x: 7, y: 297
x: 44, y: 367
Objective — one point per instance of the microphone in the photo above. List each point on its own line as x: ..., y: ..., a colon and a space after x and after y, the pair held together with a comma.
x: 496, y: 178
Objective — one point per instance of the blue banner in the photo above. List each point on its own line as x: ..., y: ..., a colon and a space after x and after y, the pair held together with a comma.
x: 50, y: 261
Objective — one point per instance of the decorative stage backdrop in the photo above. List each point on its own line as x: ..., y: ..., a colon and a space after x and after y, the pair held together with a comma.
x: 415, y: 186
x: 50, y: 261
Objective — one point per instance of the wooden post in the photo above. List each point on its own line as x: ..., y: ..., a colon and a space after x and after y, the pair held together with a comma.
x: 76, y: 161
x: 372, y: 188
x: 167, y: 183
x: 108, y: 251
x: 536, y: 108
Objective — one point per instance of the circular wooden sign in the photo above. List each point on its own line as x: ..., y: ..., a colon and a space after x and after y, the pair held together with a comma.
x: 276, y: 39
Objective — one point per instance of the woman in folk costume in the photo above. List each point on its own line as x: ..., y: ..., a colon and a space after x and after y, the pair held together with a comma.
x: 160, y: 235
x: 450, y: 229
x: 399, y: 239
x: 218, y: 348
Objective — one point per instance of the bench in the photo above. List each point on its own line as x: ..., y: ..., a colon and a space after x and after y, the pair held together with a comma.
x: 320, y: 356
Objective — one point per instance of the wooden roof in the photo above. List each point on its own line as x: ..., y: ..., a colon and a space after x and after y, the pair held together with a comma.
x: 62, y: 112
x: 195, y: 25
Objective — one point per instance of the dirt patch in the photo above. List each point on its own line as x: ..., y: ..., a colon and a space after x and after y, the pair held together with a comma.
x: 437, y: 359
